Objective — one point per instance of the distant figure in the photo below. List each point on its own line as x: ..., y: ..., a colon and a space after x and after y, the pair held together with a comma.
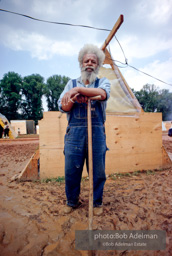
x: 6, y: 130
x: 1, y: 131
x: 170, y: 132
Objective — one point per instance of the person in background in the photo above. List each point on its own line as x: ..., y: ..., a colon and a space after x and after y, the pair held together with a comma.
x: 1, y: 131
x: 6, y: 130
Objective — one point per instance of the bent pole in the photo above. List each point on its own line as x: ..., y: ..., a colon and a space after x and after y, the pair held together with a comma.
x: 113, y: 32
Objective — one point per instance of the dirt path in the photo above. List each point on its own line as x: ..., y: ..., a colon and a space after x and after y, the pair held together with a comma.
x: 32, y: 222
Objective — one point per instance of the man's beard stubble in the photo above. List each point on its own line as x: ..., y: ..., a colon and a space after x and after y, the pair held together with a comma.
x: 90, y: 76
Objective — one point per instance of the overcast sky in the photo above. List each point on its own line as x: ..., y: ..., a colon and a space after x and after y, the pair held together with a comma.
x: 29, y: 47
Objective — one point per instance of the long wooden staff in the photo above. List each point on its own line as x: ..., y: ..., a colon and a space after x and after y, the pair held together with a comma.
x: 90, y: 163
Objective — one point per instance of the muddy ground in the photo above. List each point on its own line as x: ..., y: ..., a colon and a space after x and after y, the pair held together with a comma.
x: 32, y: 222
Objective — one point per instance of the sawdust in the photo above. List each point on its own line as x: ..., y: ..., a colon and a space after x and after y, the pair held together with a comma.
x: 32, y: 221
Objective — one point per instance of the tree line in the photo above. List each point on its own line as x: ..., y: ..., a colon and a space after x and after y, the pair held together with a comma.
x: 152, y: 99
x: 21, y: 97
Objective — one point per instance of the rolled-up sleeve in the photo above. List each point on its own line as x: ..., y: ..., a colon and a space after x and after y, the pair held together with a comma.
x: 105, y: 85
x: 68, y: 86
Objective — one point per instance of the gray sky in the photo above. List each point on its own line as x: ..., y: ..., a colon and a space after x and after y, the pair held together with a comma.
x: 29, y: 47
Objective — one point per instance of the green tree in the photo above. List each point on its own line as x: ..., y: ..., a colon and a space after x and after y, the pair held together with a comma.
x: 32, y: 92
x: 10, y: 95
x: 165, y: 104
x: 153, y: 100
x: 148, y: 98
x: 54, y: 86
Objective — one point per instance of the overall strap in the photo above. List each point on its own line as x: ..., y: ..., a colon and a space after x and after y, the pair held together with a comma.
x: 74, y: 83
x: 97, y: 83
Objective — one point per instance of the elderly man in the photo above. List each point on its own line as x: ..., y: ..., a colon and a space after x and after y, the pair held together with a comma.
x: 73, y: 101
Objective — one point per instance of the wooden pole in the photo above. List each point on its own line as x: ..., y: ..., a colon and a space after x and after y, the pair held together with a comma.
x: 113, y: 32
x: 90, y: 165
x: 90, y: 159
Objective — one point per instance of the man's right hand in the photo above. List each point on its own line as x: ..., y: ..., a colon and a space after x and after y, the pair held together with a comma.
x: 68, y: 95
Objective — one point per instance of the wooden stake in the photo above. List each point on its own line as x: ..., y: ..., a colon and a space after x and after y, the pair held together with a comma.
x: 90, y: 160
x: 90, y: 165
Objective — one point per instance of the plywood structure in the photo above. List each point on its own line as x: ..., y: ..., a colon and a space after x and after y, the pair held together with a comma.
x: 135, y: 143
x: 23, y: 126
x: 51, y: 138
x: 19, y: 126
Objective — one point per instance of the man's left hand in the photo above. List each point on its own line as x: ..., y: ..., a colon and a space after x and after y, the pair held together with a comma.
x: 81, y: 99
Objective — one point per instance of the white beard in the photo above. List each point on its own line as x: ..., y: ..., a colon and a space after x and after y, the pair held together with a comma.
x: 90, y: 76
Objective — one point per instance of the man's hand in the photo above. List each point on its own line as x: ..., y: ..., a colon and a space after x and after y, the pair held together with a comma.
x: 68, y: 95
x: 81, y: 99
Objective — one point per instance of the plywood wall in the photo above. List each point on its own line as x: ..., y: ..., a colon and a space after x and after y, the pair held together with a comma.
x: 135, y: 143
x: 19, y: 126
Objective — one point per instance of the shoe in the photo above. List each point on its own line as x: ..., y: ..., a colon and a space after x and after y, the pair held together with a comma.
x: 68, y: 209
x: 97, y: 211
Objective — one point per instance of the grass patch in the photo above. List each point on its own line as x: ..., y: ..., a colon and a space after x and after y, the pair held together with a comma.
x: 115, y: 176
x: 28, y: 136
x: 136, y: 173
x: 150, y: 172
x: 54, y: 180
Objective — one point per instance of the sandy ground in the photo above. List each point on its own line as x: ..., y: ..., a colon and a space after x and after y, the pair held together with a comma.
x: 32, y: 221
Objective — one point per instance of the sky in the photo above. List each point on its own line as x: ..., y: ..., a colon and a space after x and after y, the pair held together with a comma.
x: 33, y: 47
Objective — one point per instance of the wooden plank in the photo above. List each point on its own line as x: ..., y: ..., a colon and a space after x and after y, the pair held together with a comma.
x: 51, y: 163
x: 90, y: 165
x: 135, y: 143
x: 137, y: 140
x: 135, y: 162
x: 166, y: 158
x: 19, y: 126
x: 108, y: 59
x: 30, y: 171
x: 113, y: 31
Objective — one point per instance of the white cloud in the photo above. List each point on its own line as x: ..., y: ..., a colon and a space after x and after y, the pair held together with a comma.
x: 72, y: 11
x: 162, y: 11
x: 160, y: 70
x: 154, y: 12
x: 38, y: 45
x: 138, y: 48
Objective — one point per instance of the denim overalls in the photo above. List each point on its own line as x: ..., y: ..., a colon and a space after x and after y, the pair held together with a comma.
x: 76, y: 151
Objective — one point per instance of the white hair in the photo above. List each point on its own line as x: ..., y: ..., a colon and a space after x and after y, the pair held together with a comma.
x: 90, y: 48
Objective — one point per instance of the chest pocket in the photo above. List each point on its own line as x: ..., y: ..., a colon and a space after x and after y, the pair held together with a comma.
x: 80, y: 111
x: 94, y: 109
